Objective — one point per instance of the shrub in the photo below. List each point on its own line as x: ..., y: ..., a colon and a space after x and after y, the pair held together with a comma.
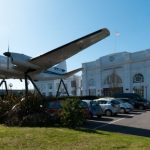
x: 39, y: 119
x: 13, y: 109
x: 72, y: 116
x: 31, y: 105
x: 6, y: 103
x: 32, y: 112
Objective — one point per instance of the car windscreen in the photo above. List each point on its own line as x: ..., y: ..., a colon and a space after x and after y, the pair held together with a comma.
x: 83, y: 104
x: 121, y: 101
x: 94, y: 103
x: 115, y: 102
x: 54, y: 105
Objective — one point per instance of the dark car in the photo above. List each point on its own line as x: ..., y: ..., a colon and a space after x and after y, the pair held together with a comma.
x: 94, y: 108
x: 55, y: 108
x: 136, y: 100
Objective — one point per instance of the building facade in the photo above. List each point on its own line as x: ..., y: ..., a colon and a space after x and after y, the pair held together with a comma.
x: 50, y: 88
x: 118, y: 72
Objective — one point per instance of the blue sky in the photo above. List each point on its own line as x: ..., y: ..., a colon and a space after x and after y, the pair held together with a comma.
x: 34, y: 27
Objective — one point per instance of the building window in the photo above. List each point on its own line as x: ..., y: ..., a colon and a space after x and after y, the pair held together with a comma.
x: 73, y: 93
x: 42, y: 87
x: 44, y: 93
x: 138, y: 78
x: 73, y: 83
x: 91, y: 82
x: 92, y: 92
x: 50, y: 94
x: 50, y: 86
x: 139, y: 90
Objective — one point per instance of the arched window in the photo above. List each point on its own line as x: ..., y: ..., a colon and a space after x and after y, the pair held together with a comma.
x: 138, y: 78
x: 112, y: 79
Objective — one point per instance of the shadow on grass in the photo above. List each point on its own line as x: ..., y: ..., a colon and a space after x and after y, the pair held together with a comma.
x: 91, y: 131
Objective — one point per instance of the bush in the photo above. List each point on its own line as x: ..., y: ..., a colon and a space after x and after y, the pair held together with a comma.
x: 6, y: 103
x: 72, y: 116
x: 31, y: 105
x: 15, y: 111
x: 24, y: 112
x: 39, y: 119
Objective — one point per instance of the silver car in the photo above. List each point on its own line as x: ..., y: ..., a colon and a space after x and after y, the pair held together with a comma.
x: 110, y: 106
x: 125, y: 107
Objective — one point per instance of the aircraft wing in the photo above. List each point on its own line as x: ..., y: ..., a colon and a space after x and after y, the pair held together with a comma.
x: 68, y: 74
x: 60, y: 54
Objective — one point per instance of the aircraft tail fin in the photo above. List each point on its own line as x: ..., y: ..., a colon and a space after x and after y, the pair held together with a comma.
x: 62, y: 65
x: 60, y: 68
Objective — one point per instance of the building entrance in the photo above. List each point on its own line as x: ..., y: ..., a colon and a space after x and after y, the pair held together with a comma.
x: 111, y: 91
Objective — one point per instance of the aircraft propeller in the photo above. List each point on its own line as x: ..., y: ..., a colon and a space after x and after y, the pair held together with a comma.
x: 8, y: 54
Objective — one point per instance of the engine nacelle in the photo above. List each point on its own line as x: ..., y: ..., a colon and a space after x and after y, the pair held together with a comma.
x: 21, y: 60
x: 16, y: 57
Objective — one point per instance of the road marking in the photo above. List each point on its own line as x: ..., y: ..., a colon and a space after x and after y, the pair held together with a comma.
x: 112, y: 122
x: 109, y: 123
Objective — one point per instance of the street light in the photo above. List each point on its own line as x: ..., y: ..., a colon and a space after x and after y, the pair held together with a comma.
x: 117, y: 34
x: 146, y: 91
x: 10, y: 85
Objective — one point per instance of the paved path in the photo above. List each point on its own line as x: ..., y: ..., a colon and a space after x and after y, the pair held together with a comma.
x: 136, y: 123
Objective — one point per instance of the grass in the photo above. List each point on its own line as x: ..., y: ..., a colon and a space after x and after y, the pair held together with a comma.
x: 12, y: 138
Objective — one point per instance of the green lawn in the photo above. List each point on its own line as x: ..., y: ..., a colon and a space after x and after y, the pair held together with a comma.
x: 67, y: 139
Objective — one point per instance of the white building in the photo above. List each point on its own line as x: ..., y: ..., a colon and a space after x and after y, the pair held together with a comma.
x: 50, y: 88
x: 118, y: 72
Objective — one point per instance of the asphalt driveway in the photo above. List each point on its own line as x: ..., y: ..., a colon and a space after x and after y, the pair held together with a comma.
x: 135, y: 123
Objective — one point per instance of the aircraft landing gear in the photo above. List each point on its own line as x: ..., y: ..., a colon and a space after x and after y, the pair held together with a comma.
x: 4, y: 81
x: 61, y: 81
x: 27, y: 77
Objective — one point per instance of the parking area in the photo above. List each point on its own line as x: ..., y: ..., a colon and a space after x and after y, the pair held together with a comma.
x: 135, y: 123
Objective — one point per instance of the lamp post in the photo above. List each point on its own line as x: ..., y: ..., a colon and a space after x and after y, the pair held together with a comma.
x: 146, y: 91
x: 10, y: 85
x: 117, y: 34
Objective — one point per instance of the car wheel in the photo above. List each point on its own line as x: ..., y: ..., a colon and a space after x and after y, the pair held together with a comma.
x: 99, y: 116
x: 108, y: 113
x: 91, y: 115
x: 122, y: 110
x: 141, y: 107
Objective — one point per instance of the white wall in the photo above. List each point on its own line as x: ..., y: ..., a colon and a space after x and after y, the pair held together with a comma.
x: 46, y: 90
x: 125, y: 64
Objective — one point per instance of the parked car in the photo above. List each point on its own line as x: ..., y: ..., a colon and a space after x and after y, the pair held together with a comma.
x: 138, y: 101
x: 125, y: 107
x: 94, y: 108
x: 128, y: 100
x: 85, y: 109
x: 55, y: 108
x: 109, y: 106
